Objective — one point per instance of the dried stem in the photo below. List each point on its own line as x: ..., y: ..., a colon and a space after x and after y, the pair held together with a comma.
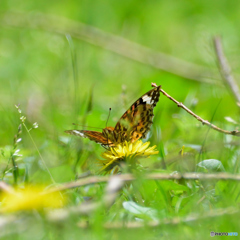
x: 113, y: 187
x: 226, y: 70
x: 204, y: 122
x: 173, y: 221
x: 116, y: 44
x: 153, y: 176
x: 115, y: 183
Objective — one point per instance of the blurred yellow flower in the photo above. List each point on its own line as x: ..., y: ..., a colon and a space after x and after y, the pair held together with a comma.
x: 30, y: 198
x: 126, y: 152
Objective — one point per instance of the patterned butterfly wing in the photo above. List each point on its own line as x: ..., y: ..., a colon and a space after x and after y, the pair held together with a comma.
x: 95, y: 136
x: 135, y: 123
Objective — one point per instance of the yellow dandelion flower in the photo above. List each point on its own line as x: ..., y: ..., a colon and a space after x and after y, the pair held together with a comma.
x: 126, y: 152
x: 30, y: 198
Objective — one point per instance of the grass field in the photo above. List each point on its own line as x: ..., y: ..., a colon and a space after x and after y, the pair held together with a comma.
x: 64, y: 62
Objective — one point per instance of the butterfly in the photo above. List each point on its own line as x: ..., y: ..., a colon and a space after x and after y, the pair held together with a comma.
x: 134, y: 124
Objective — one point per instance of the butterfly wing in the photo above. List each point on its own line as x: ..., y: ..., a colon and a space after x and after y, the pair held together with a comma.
x: 95, y: 136
x: 135, y: 123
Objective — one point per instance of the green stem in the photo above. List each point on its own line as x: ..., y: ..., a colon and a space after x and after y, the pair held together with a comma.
x: 43, y: 162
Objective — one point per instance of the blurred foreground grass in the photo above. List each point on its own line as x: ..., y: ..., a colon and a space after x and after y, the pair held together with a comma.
x: 58, y: 79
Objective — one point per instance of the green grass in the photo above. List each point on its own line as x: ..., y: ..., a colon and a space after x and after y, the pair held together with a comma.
x: 58, y: 79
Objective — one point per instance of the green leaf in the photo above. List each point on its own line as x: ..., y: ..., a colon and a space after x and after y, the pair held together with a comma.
x: 171, y: 185
x: 211, y: 165
x: 139, y: 211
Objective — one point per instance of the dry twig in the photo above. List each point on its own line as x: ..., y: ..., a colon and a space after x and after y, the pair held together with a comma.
x: 226, y: 70
x: 204, y: 122
x: 115, y: 184
x: 116, y: 44
x: 173, y: 221
x: 152, y: 176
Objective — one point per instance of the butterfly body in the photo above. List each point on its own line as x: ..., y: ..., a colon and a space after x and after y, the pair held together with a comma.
x: 134, y: 124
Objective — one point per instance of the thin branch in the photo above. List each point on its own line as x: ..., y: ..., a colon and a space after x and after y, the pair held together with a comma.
x: 116, y: 44
x: 152, y: 176
x: 113, y: 187
x: 226, y: 70
x: 204, y: 122
x: 115, y: 184
x: 173, y: 221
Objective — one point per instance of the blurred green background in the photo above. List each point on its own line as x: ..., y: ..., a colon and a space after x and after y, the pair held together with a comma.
x: 58, y: 79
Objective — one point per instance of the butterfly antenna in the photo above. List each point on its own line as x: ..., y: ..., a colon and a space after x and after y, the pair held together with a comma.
x: 106, y: 126
x: 108, y: 116
x: 86, y: 126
